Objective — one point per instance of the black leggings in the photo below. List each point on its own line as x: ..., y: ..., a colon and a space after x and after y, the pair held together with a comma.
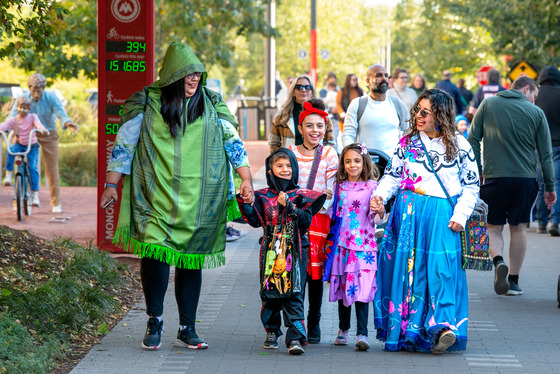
x: 344, y: 315
x: 155, y: 278
x: 315, y: 297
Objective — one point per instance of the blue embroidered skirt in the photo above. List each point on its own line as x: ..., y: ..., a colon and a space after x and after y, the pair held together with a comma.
x: 422, y: 287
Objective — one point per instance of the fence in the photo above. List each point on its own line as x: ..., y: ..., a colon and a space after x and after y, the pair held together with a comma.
x: 255, y: 115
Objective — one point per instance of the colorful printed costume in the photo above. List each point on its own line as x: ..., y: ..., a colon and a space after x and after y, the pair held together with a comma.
x: 422, y: 285
x: 283, y: 258
x: 355, y: 258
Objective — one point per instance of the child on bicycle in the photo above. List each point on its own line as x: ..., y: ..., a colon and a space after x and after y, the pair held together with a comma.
x: 22, y: 125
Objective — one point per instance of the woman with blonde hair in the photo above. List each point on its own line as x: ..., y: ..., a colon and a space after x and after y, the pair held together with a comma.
x: 284, y: 132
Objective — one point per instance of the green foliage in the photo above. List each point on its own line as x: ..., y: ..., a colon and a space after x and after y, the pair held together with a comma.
x: 78, y: 164
x: 29, y: 25
x: 71, y: 51
x: 428, y: 38
x: 527, y: 30
x: 210, y: 27
x: 21, y: 352
x: 78, y: 296
x: 352, y: 32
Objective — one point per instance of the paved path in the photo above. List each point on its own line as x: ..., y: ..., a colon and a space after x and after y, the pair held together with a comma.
x: 506, y: 334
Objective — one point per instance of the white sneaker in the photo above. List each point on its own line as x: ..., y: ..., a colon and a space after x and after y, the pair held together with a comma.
x: 7, y: 181
x: 57, y: 209
x: 35, y: 200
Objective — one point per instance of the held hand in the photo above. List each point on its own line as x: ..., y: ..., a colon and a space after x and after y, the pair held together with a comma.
x: 109, y: 197
x: 328, y: 193
x: 282, y: 198
x: 377, y: 206
x: 455, y: 226
x: 247, y: 193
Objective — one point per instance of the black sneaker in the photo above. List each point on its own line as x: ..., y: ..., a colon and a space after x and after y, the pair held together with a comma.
x: 271, y: 341
x: 295, y: 348
x: 152, y: 339
x: 187, y: 338
x: 501, y: 285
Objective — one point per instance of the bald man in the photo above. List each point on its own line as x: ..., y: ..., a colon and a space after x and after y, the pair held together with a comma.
x: 382, y: 119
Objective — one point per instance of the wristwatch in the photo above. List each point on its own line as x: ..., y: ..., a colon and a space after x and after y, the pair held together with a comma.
x: 110, y: 185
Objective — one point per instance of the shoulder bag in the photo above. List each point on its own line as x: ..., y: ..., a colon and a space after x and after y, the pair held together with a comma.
x: 475, y: 243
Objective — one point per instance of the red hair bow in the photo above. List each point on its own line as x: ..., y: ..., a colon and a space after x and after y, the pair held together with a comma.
x: 308, y: 109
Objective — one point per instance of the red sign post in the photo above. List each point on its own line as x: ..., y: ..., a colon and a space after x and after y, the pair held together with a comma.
x: 125, y: 65
x: 481, y: 75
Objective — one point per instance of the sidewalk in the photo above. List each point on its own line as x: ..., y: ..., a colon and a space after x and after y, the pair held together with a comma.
x: 506, y: 334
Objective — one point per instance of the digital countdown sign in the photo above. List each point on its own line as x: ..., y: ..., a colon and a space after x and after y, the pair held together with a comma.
x: 125, y: 65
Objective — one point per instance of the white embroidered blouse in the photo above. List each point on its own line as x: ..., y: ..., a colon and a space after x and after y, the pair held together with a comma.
x: 410, y: 169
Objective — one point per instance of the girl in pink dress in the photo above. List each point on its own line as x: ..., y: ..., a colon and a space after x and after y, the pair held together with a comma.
x: 353, y: 273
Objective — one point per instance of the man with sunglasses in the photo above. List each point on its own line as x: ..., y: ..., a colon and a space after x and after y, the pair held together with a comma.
x: 512, y: 128
x: 377, y: 119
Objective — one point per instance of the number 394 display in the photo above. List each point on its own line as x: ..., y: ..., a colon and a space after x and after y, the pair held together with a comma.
x: 126, y: 65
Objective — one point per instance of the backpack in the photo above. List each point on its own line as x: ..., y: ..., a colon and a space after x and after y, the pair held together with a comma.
x: 362, y: 106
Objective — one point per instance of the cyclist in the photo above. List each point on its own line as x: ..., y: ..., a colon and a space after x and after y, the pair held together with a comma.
x: 22, y: 125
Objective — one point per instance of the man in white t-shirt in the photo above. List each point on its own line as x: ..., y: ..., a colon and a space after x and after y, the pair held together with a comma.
x: 377, y: 120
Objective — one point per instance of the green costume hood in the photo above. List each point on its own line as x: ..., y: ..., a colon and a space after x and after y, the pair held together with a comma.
x: 179, y: 61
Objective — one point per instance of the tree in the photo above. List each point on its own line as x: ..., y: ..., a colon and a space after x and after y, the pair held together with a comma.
x: 210, y: 27
x: 72, y: 51
x: 430, y: 38
x: 351, y: 31
x: 29, y: 25
x: 526, y: 30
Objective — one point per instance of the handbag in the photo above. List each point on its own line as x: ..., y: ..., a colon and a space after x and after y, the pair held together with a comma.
x: 475, y: 243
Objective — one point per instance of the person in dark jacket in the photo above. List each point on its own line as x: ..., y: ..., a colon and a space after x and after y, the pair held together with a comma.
x: 548, y: 99
x: 446, y: 85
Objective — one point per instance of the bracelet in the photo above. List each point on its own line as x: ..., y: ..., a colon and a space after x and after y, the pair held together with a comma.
x: 110, y: 185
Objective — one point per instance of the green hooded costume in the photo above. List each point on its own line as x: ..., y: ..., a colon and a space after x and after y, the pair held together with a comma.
x: 174, y: 203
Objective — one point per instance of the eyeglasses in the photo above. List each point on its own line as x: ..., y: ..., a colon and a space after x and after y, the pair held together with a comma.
x: 300, y: 87
x: 421, y: 112
x: 404, y: 77
x: 196, y: 74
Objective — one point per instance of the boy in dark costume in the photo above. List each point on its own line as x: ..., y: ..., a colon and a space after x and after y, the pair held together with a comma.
x: 284, y: 211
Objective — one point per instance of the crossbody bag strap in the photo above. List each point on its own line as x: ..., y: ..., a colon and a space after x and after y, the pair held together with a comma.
x: 434, y: 171
x: 314, y: 167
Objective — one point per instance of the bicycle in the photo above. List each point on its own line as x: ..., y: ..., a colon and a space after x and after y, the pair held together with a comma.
x: 22, y: 187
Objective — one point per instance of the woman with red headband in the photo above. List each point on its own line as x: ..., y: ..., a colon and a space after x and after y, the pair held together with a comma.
x: 317, y: 169
x: 285, y: 130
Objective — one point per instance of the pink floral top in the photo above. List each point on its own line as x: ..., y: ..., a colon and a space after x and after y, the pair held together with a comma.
x: 358, y: 221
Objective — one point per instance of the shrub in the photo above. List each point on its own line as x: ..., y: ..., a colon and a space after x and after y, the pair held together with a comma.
x: 78, y: 164
x: 21, y: 353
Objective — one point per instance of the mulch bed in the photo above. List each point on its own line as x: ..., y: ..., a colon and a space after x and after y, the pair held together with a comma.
x: 32, y: 254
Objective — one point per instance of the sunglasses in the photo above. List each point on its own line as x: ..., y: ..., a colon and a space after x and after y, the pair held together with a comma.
x: 193, y: 75
x: 300, y: 87
x: 421, y: 112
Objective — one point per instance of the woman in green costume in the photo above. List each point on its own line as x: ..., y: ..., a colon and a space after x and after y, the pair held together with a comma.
x: 175, y: 149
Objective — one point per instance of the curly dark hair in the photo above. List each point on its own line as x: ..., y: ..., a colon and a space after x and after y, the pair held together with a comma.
x: 443, y: 111
x: 369, y: 170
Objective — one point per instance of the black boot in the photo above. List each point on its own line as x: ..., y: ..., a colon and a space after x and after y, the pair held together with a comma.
x: 313, y: 330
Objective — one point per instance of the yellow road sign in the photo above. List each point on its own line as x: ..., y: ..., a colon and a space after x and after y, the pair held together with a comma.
x: 522, y: 68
